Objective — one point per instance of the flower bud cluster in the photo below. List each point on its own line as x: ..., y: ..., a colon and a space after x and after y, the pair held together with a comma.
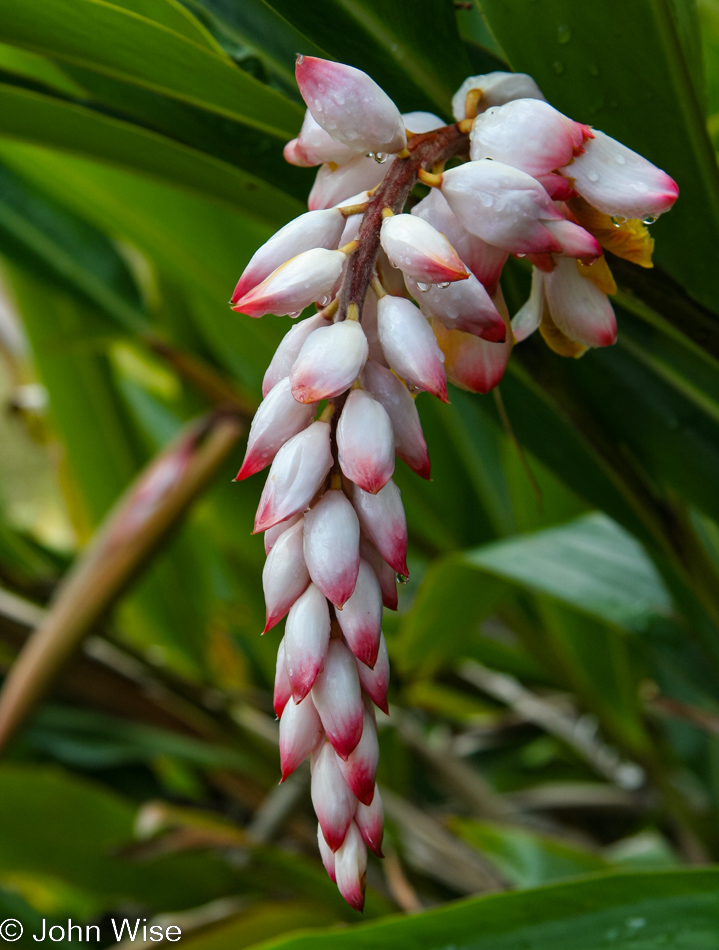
x: 406, y: 300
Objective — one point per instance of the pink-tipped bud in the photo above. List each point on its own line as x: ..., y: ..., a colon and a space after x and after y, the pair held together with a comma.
x: 310, y: 230
x: 420, y: 251
x: 464, y: 305
x: 473, y: 363
x: 331, y: 546
x: 578, y: 307
x: 370, y: 821
x: 483, y: 259
x: 365, y: 442
x: 337, y: 696
x: 575, y: 241
x: 528, y: 134
x: 293, y: 286
x: 383, y: 572
x: 283, y: 690
x: 332, y: 797
x: 529, y: 316
x: 361, y: 617
x: 382, y: 519
x: 409, y: 345
x: 351, y: 868
x: 493, y: 89
x: 327, y: 855
x: 360, y: 766
x: 399, y: 404
x: 334, y: 185
x: 300, y: 732
x: 298, y: 470
x: 557, y: 187
x: 350, y: 106
x: 376, y: 680
x: 285, y: 575
x: 279, y: 417
x: 286, y: 353
x: 329, y: 362
x: 307, y: 635
x: 502, y: 205
x: 620, y: 182
x: 273, y: 533
x: 313, y: 146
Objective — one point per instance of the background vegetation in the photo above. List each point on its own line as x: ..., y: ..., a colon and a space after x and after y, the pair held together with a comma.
x: 556, y: 653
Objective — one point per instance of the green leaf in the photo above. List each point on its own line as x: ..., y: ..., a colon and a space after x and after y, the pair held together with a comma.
x: 527, y: 858
x: 50, y: 122
x: 590, y: 564
x: 127, y: 46
x: 413, y: 52
x: 624, y: 70
x: 175, y: 17
x: 619, y: 910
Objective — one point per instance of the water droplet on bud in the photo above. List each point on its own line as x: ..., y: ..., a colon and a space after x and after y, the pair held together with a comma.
x: 423, y: 287
x: 444, y: 284
x: 294, y: 314
x: 650, y: 219
x: 323, y: 301
x: 380, y: 157
x: 402, y: 579
x: 593, y: 176
x: 520, y: 255
x: 371, y: 155
x: 617, y: 221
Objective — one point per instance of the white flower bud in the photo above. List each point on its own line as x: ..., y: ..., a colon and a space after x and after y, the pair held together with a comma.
x: 370, y: 821
x: 383, y: 572
x: 493, y: 89
x: 334, y: 185
x: 376, y: 680
x: 400, y: 406
x: 286, y: 352
x: 351, y: 867
x: 273, y: 533
x: 419, y: 122
x: 365, y: 442
x: 420, y: 251
x: 300, y: 732
x: 307, y: 635
x: 382, y: 519
x: 464, y: 305
x: 327, y: 855
x: 282, y: 690
x: 338, y: 698
x: 578, y: 307
x: 473, y: 363
x: 329, y: 362
x: 313, y: 146
x: 278, y: 418
x: 293, y: 286
x: 361, y: 616
x: 332, y: 797
x: 331, y: 546
x: 310, y: 230
x: 360, y: 766
x: 285, y: 575
x: 409, y: 345
x: 350, y: 106
x: 298, y: 470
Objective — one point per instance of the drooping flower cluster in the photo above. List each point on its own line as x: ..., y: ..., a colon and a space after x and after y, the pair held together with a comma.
x: 405, y: 301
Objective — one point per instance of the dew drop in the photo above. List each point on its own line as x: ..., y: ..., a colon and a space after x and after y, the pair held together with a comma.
x: 520, y: 255
x: 371, y: 155
x: 423, y: 287
x: 564, y: 33
x: 444, y: 285
x: 620, y: 159
x: 381, y: 157
x: 294, y: 314
x: 558, y: 67
x: 323, y: 301
x: 617, y: 221
x: 650, y: 219
x: 593, y: 176
x: 402, y: 579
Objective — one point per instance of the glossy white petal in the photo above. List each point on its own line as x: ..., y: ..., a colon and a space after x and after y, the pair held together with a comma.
x: 400, y: 406
x: 580, y: 310
x: 494, y: 90
x: 298, y: 470
x: 528, y: 134
x: 285, y: 575
x: 419, y: 250
x: 350, y: 106
x: 351, y: 867
x: 331, y: 546
x: 310, y: 230
x: 361, y: 617
x: 286, y: 353
x: 409, y: 345
x: 365, y: 442
x: 313, y: 146
x: 464, y: 305
x: 420, y: 122
x: 360, y: 766
x: 370, y: 821
x: 307, y: 635
x: 383, y: 521
x: 329, y: 362
x: 278, y: 418
x: 332, y: 797
x: 327, y: 855
x: 335, y: 185
x: 529, y: 316
x: 376, y: 680
x: 305, y: 278
x: 338, y: 698
x: 273, y: 533
x: 300, y: 731
x: 620, y: 182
